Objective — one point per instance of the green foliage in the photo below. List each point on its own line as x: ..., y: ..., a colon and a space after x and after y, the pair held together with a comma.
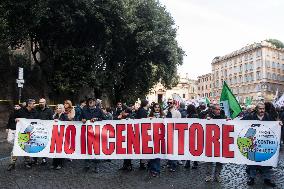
x: 277, y: 43
x: 120, y: 48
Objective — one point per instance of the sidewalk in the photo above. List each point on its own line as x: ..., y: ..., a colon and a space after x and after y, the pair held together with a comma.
x: 5, y: 147
x: 72, y: 176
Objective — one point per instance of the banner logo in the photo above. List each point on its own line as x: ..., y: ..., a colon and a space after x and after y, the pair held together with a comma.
x: 257, y: 144
x: 33, y: 138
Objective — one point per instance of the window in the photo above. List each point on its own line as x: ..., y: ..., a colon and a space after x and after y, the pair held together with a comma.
x: 258, y: 75
x: 258, y: 63
x: 273, y: 65
x: 240, y: 79
x: 183, y: 95
x: 252, y: 77
x: 251, y: 56
x: 274, y: 76
x: 258, y: 53
x: 267, y: 63
x: 241, y: 68
x: 251, y: 66
x: 246, y: 57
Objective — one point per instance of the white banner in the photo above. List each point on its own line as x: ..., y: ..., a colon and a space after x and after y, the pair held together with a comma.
x: 240, y: 142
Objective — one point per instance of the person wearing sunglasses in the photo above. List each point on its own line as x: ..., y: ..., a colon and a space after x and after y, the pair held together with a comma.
x: 172, y: 112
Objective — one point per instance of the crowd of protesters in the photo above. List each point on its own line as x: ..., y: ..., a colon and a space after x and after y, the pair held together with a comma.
x: 92, y: 110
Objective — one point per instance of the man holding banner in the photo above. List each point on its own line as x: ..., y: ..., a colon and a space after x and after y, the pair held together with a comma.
x: 261, y: 115
x: 28, y: 112
x: 91, y: 113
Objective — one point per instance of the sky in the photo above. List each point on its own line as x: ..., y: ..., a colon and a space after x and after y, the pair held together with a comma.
x: 210, y: 28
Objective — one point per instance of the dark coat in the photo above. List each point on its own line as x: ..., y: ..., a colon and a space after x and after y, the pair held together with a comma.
x: 11, y: 122
x: 183, y: 112
x: 89, y: 113
x: 116, y: 113
x: 25, y: 113
x: 44, y: 114
x: 192, y: 116
x: 141, y: 113
x: 78, y: 113
x: 62, y: 117
x: 253, y: 116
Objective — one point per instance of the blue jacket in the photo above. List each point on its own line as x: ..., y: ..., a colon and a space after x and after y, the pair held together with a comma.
x: 89, y: 113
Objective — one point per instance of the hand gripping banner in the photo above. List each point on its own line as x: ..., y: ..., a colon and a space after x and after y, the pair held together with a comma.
x: 234, y: 141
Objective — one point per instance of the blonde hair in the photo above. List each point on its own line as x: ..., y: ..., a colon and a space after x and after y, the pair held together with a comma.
x: 69, y: 109
x: 59, y: 106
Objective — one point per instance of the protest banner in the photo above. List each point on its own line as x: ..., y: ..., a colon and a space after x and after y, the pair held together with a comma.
x: 233, y: 141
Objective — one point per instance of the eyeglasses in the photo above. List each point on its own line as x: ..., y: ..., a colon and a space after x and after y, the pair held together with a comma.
x: 170, y: 102
x: 157, y: 107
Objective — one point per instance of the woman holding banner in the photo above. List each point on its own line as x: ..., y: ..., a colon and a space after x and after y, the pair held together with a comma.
x: 59, y: 115
x: 191, y: 113
x: 154, y: 164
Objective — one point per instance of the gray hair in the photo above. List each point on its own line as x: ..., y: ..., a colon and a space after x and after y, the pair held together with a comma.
x: 259, y: 104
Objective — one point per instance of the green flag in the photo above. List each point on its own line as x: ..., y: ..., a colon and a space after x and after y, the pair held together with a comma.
x: 207, y: 101
x: 248, y: 101
x: 229, y: 103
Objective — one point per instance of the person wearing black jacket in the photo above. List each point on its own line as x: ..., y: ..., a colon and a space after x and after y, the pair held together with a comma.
x: 215, y: 112
x: 11, y: 122
x: 260, y: 115
x: 191, y: 113
x: 141, y: 113
x: 118, y: 110
x: 92, y: 113
x: 27, y: 112
x: 44, y: 113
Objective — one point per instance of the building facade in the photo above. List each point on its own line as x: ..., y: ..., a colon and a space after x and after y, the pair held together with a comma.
x: 255, y: 71
x: 204, y: 86
x: 186, y: 89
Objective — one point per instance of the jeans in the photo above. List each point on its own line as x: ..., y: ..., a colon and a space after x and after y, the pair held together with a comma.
x: 155, y: 165
x: 265, y: 170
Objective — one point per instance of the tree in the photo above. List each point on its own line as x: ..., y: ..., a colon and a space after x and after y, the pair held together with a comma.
x: 277, y: 43
x: 120, y: 48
